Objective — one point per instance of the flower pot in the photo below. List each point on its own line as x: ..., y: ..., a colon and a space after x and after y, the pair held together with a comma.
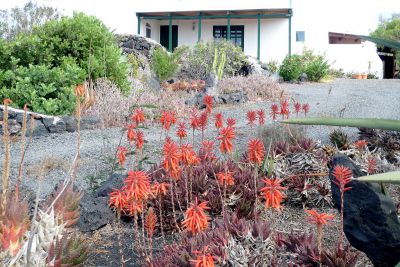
x: 357, y: 76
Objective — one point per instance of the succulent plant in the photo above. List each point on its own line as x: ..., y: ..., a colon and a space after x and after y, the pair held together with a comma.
x: 339, y: 139
x: 68, y: 251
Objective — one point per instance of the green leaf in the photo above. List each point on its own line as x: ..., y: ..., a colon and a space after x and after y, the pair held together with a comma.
x: 384, y: 124
x: 388, y: 177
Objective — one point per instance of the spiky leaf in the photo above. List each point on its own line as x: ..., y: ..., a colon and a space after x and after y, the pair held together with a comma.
x: 388, y: 177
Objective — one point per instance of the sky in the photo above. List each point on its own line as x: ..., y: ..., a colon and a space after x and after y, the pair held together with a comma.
x: 352, y: 16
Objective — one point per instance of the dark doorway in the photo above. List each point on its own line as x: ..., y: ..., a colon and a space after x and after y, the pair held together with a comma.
x: 164, y: 36
x: 388, y: 57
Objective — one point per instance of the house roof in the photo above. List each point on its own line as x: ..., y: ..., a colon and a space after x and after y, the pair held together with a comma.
x: 238, y: 13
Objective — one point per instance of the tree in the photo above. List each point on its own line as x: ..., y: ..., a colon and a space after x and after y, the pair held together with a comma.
x: 388, y: 30
x: 23, y: 20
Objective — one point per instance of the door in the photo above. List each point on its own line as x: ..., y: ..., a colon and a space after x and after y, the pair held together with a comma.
x: 164, y: 36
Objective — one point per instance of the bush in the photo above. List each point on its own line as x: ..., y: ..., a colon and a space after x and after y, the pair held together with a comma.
x: 41, y: 69
x: 200, y: 60
x: 291, y: 67
x: 315, y: 66
x: 165, y: 64
x: 273, y: 66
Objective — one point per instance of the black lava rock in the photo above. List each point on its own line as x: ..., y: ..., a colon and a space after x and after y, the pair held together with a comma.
x: 370, y: 219
x: 115, y: 181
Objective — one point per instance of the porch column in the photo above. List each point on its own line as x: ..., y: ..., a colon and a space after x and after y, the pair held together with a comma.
x: 290, y: 34
x: 258, y: 35
x: 170, y: 33
x: 228, y: 28
x: 138, y: 25
x: 199, y: 28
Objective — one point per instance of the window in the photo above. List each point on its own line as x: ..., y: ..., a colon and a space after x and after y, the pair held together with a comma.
x: 148, y: 30
x: 300, y: 36
x: 237, y: 34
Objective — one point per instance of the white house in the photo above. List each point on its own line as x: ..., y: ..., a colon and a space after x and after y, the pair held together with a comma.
x: 267, y: 30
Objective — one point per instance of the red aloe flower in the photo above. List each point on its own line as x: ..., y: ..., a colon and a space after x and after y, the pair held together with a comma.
x: 171, y: 158
x: 225, y: 177
x: 130, y: 134
x: 122, y: 155
x: 194, y: 119
x: 159, y: 189
x: 138, y: 186
x: 208, y: 101
x: 207, y: 150
x: 150, y: 222
x: 319, y: 218
x: 261, y: 117
x: 188, y: 156
x: 134, y: 207
x: 196, y: 220
x: 204, y: 259
x: 118, y: 199
x: 139, y: 140
x: 219, y: 123
x: 203, y: 120
x: 297, y: 108
x: 226, y: 136
x: 167, y: 119
x: 360, y: 144
x: 306, y: 108
x: 256, y: 151
x: 274, y: 111
x: 284, y: 109
x: 342, y: 176
x: 181, y: 132
x: 251, y: 117
x: 138, y: 116
x: 273, y: 193
x: 231, y: 122
x: 371, y: 165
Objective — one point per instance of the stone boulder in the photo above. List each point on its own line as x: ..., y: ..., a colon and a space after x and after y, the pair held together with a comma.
x: 136, y: 44
x: 114, y: 181
x: 371, y: 223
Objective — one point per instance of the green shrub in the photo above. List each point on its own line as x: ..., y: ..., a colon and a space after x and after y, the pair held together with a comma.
x: 41, y: 68
x: 164, y: 64
x: 201, y: 58
x: 291, y: 67
x: 317, y: 68
x: 273, y: 66
x: 46, y: 90
x: 134, y: 64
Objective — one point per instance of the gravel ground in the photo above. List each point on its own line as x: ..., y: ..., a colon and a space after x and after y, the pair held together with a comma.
x: 352, y: 98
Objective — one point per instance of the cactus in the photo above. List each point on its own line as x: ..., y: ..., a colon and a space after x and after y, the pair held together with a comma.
x: 384, y: 124
x: 219, y: 63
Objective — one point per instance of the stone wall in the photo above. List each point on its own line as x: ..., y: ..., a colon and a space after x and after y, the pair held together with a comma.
x: 136, y: 44
x: 44, y: 124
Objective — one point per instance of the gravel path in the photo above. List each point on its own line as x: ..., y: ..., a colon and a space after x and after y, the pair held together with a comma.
x: 354, y: 98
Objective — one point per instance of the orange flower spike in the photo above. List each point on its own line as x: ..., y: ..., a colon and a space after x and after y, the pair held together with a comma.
x: 273, y: 193
x: 131, y: 134
x: 225, y: 178
x: 159, y: 189
x: 79, y: 90
x: 138, y: 186
x: 205, y: 260
x: 342, y: 176
x: 139, y: 140
x: 306, y: 108
x: 138, y: 116
x: 150, y: 222
x: 274, y: 111
x: 118, y: 199
x: 226, y: 136
x: 194, y: 119
x: 181, y: 132
x: 360, y: 144
x: 319, y: 218
x: 219, y: 123
x: 251, y: 117
x: 196, y: 220
x: 188, y: 156
x: 297, y: 108
x: 167, y: 119
x: 122, y: 155
x: 261, y: 117
x: 284, y: 108
x: 208, y: 102
x: 7, y: 101
x: 172, y: 158
x: 134, y: 207
x: 207, y: 150
x: 256, y: 151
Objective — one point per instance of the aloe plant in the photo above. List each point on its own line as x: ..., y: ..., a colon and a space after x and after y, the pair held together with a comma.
x: 384, y: 124
x: 388, y: 177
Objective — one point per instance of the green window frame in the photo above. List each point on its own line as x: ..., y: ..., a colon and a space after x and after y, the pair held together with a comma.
x: 237, y: 34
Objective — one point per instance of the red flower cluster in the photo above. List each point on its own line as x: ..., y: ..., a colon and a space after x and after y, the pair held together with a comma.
x: 194, y: 119
x: 188, y: 156
x: 196, y: 220
x: 319, y: 218
x: 207, y: 150
x: 167, y: 119
x: 297, y: 108
x: 122, y: 155
x: 208, y: 101
x: 274, y: 111
x: 159, y: 189
x: 306, y: 108
x: 261, y: 117
x: 131, y: 134
x: 181, y: 132
x: 360, y: 144
x: 227, y: 134
x: 139, y: 140
x: 225, y: 177
x: 256, y: 151
x: 204, y: 259
x: 285, y: 109
x: 231, y: 122
x: 342, y: 176
x: 138, y: 116
x: 272, y: 193
x: 251, y: 117
x: 219, y: 123
x: 171, y: 159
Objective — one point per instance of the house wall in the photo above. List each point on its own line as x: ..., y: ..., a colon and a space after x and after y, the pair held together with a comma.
x: 274, y: 34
